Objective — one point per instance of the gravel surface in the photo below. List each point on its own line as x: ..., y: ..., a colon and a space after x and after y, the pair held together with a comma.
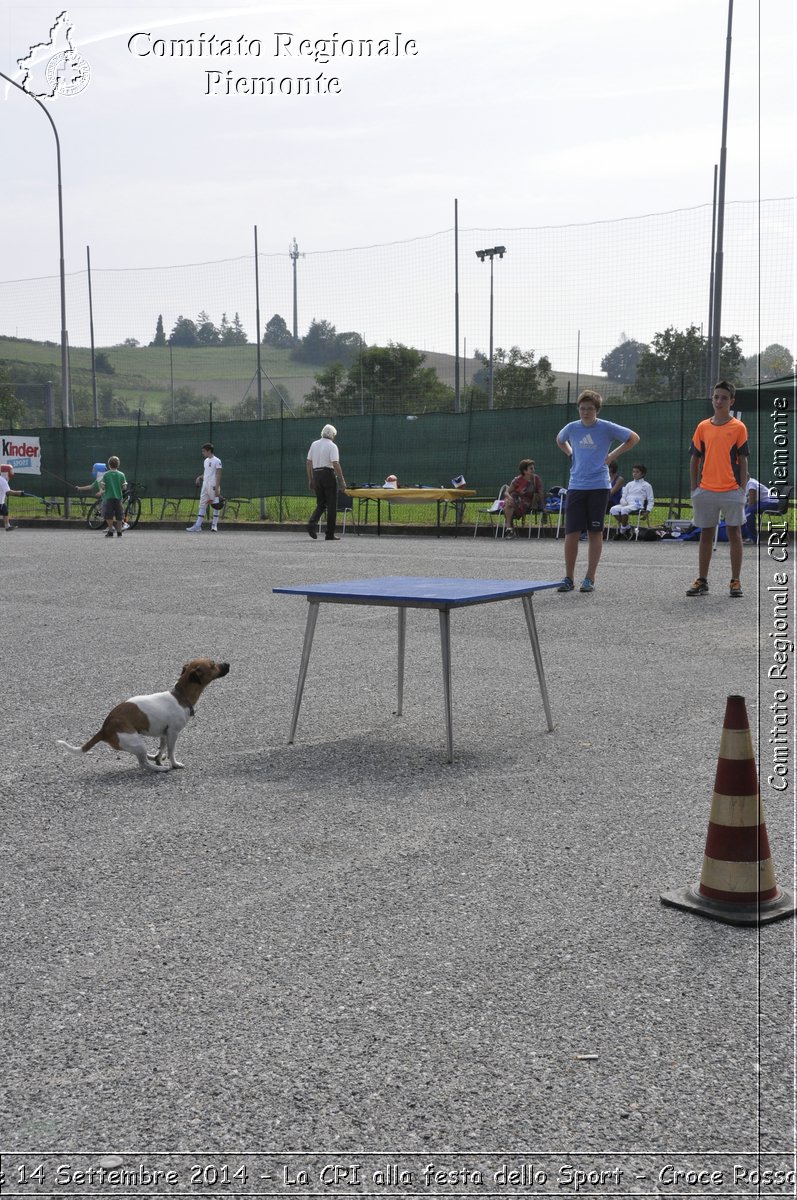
x: 349, y: 943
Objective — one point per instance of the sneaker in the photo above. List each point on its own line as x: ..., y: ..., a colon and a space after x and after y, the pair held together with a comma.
x: 698, y: 588
x: 119, y: 533
x: 566, y: 585
x: 194, y: 529
x: 509, y: 533
x: 109, y: 533
x: 10, y: 528
x: 587, y: 584
x: 334, y: 538
x: 736, y: 589
x: 125, y: 526
x: 214, y: 529
x: 312, y: 530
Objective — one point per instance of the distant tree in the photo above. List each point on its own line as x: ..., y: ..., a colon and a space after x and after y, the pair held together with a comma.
x: 324, y: 398
x: 206, y: 332
x: 102, y: 364
x: 160, y: 336
x: 234, y: 334
x: 12, y: 410
x: 277, y: 333
x: 323, y: 344
x: 772, y: 363
x: 184, y: 333
x: 382, y: 379
x: 133, y: 343
x: 621, y: 363
x: 518, y: 380
x: 188, y: 407
x: 682, y: 355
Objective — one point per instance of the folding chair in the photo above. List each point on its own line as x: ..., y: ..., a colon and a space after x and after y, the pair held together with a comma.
x: 641, y: 514
x: 345, y: 506
x: 495, y: 509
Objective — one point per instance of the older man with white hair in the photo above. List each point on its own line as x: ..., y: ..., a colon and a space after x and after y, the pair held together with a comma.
x: 325, y: 477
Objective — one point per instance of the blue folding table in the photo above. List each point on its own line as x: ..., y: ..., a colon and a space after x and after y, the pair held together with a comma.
x: 409, y: 591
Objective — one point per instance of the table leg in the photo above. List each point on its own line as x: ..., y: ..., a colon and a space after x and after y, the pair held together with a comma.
x: 402, y: 641
x: 535, y: 649
x: 445, y: 647
x: 309, y: 630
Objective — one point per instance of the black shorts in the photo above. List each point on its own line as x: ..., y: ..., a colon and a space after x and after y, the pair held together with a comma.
x: 3, y: 510
x: 113, y: 508
x: 585, y: 510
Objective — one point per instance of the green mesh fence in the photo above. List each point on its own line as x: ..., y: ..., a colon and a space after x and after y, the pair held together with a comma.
x: 267, y: 458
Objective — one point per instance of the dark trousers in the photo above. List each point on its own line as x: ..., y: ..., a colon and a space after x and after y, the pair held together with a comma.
x: 325, y: 482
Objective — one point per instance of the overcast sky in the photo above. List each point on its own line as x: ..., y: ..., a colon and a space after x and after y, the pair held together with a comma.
x: 530, y: 113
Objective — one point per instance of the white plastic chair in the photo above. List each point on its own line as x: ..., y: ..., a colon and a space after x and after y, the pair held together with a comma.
x: 495, y: 509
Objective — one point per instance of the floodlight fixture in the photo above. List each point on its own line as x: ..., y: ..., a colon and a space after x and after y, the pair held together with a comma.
x: 491, y: 253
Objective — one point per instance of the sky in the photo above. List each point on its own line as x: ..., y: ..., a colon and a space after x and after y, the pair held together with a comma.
x: 528, y: 114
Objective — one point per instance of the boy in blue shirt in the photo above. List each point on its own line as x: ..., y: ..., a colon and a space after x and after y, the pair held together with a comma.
x: 586, y: 442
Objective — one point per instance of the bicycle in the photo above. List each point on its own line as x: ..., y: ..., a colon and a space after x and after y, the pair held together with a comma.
x: 131, y: 506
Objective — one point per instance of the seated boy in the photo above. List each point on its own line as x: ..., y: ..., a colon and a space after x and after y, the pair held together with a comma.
x: 635, y: 496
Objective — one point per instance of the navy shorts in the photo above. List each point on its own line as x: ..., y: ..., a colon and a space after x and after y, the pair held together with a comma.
x: 585, y: 509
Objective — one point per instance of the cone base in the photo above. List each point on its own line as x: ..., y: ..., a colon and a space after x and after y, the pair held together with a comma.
x: 689, y: 899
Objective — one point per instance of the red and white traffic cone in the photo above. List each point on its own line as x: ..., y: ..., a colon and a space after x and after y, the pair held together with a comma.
x: 737, y: 883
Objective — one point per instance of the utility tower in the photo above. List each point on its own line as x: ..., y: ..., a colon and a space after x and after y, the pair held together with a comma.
x: 293, y: 250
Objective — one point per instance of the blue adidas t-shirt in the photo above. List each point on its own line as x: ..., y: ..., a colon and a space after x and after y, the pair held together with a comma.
x: 591, y: 444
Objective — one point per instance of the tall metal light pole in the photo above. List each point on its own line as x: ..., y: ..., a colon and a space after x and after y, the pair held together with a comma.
x: 716, y: 316
x: 481, y: 255
x: 65, y: 413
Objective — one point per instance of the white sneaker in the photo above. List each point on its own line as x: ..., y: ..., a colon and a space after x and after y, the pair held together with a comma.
x: 194, y: 529
x: 214, y: 529
x: 125, y: 526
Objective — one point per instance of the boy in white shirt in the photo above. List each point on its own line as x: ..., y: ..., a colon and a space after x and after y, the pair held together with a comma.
x: 635, y: 496
x: 210, y: 495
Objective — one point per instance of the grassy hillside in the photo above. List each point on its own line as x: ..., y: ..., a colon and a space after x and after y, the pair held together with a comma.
x: 142, y: 376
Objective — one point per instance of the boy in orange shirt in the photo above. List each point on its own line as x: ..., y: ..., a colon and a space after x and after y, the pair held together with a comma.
x: 718, y: 476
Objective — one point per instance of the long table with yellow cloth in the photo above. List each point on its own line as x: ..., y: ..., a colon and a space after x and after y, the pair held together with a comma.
x: 409, y: 495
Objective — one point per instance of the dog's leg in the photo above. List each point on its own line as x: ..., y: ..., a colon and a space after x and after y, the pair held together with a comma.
x: 171, y: 739
x: 135, y: 744
x: 161, y: 754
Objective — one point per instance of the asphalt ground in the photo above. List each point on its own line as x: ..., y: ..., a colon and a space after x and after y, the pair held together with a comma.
x: 349, y: 944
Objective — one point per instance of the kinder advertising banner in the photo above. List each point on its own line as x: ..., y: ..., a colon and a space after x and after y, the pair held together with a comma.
x: 22, y: 453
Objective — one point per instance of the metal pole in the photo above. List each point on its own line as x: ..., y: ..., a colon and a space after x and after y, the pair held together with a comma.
x: 490, y: 393
x: 717, y: 313
x: 257, y: 322
x: 709, y: 339
x: 457, y: 407
x: 65, y: 409
x: 91, y: 337
x: 171, y: 378
x: 293, y: 250
x: 260, y: 376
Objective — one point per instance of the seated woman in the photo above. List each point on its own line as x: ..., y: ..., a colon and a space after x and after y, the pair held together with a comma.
x: 636, y: 496
x: 525, y: 495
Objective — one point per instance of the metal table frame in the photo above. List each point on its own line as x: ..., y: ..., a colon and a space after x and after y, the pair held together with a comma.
x: 403, y: 592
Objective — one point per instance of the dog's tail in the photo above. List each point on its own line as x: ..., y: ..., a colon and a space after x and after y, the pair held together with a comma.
x: 80, y: 749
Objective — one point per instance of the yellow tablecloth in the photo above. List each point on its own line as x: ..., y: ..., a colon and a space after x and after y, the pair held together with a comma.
x: 410, y: 495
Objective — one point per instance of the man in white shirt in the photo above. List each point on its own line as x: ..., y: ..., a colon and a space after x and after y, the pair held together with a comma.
x: 210, y: 481
x: 324, y: 478
x: 635, y: 496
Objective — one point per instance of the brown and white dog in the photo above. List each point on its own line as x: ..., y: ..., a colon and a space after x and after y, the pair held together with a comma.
x: 162, y: 715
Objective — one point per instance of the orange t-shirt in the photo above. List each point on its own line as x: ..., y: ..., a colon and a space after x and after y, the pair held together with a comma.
x: 720, y: 447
